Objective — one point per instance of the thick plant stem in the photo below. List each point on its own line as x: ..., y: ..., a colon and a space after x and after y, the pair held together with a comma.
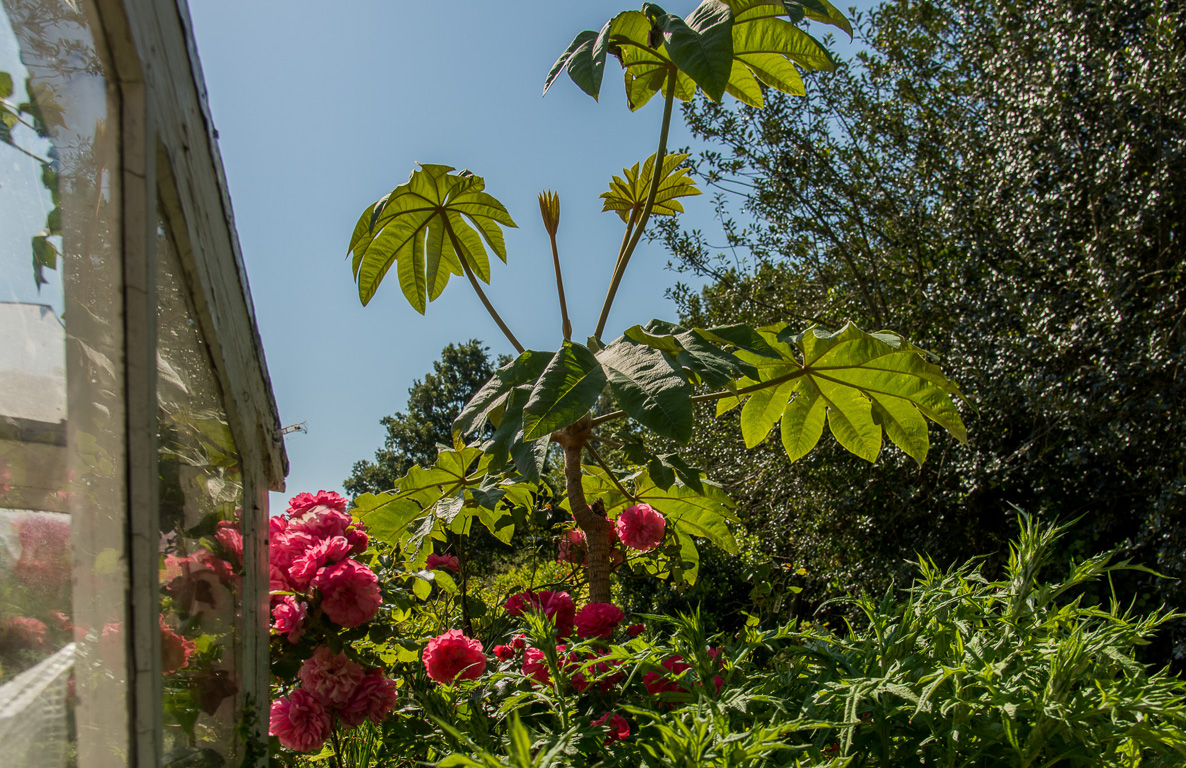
x: 656, y: 172
x: 597, y: 528
x: 473, y: 280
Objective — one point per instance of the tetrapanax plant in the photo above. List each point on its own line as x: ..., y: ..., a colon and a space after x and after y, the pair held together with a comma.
x: 440, y: 223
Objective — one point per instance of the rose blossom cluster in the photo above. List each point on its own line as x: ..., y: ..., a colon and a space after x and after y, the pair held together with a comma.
x: 309, y: 553
x: 640, y: 528
x: 310, y: 550
x: 332, y: 688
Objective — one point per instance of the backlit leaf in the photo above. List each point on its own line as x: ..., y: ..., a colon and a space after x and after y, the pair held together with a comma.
x: 567, y: 389
x: 429, y: 228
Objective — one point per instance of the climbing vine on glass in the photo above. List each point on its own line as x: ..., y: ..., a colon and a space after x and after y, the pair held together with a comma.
x: 862, y: 386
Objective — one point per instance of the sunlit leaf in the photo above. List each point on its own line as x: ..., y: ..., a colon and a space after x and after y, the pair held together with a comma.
x: 649, y: 388
x: 862, y: 384
x: 627, y: 194
x: 430, y: 228
x: 567, y: 389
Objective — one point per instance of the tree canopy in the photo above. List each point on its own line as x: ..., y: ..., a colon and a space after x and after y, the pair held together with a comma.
x: 433, y: 403
x: 1005, y: 184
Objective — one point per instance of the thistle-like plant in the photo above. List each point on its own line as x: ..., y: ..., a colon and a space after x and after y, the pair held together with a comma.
x: 861, y: 385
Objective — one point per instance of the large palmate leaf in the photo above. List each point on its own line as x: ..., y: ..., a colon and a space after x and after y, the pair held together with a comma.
x: 567, y: 389
x: 447, y: 496
x: 627, y: 194
x: 436, y: 225
x: 860, y: 384
x: 723, y: 46
x: 650, y: 387
x: 488, y: 403
x: 700, y: 353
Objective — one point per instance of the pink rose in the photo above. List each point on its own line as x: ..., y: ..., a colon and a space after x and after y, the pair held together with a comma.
x: 358, y: 538
x: 299, y: 721
x: 24, y: 632
x: 349, y: 593
x: 453, y: 656
x: 573, y: 548
x: 535, y: 666
x: 175, y: 649
x: 598, y: 620
x: 326, y: 551
x: 277, y: 525
x: 320, y: 522
x: 304, y: 501
x: 289, y: 616
x: 599, y: 673
x: 374, y: 698
x: 443, y: 562
x: 634, y: 630
x: 285, y: 547
x: 228, y: 535
x: 503, y: 652
x: 330, y: 677
x: 656, y: 683
x: 557, y: 606
x: 641, y: 527
x: 519, y: 641
x: 619, y: 729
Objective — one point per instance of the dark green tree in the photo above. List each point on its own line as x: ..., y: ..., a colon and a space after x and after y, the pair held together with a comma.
x: 433, y: 404
x: 1004, y: 183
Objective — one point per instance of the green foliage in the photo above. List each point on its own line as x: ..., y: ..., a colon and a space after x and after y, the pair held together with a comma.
x: 723, y: 46
x: 948, y: 188
x: 430, y: 228
x: 627, y: 196
x: 966, y: 667
x: 414, y: 435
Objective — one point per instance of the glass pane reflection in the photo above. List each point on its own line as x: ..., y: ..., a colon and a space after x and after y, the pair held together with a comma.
x: 201, y: 534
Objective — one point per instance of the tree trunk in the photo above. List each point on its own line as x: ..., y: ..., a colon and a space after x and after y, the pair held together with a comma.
x: 596, y: 527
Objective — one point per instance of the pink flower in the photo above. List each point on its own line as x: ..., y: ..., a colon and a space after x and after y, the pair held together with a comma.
x: 288, y: 617
x: 374, y: 698
x: 299, y: 721
x: 598, y: 672
x: 304, y: 501
x: 276, y: 525
x: 634, y: 630
x: 24, y: 632
x: 349, y: 593
x: 358, y: 538
x: 535, y: 666
x: 227, y: 534
x: 453, y: 656
x: 656, y: 683
x: 519, y: 641
x: 557, y: 606
x: 619, y: 729
x: 714, y: 654
x: 321, y: 522
x: 175, y: 649
x: 573, y: 548
x: 326, y: 551
x: 444, y: 563
x: 286, y: 547
x: 598, y: 620
x: 503, y: 652
x: 641, y: 527
x: 330, y: 677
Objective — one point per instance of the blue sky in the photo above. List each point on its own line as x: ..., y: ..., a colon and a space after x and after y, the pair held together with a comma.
x: 321, y: 113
